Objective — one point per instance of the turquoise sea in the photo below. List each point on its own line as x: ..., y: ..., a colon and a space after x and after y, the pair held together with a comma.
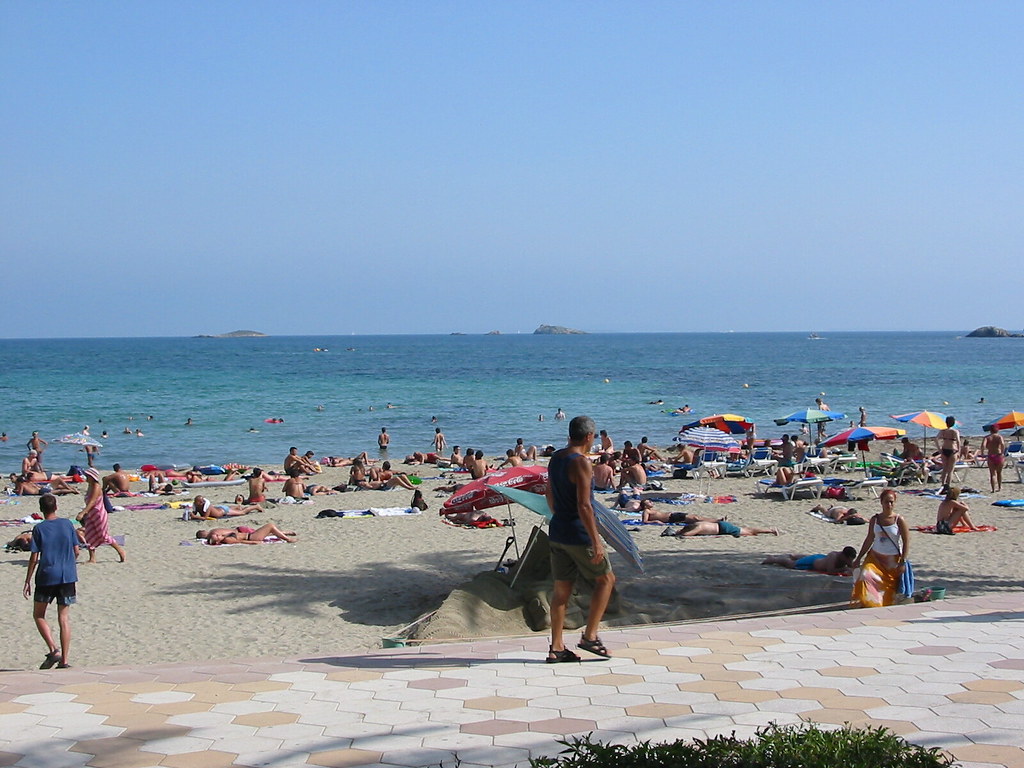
x: 484, y: 390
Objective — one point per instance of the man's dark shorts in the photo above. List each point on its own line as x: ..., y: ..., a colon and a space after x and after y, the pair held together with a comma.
x: 569, y: 562
x: 64, y: 594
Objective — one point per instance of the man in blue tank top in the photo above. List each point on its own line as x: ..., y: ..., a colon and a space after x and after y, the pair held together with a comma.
x: 576, y: 547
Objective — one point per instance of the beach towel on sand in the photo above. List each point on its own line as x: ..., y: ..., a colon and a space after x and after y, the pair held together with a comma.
x: 488, y: 522
x: 957, y: 529
x: 371, y: 512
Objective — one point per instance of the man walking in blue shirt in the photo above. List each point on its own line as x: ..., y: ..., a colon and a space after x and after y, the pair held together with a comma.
x: 54, y: 550
x: 576, y: 546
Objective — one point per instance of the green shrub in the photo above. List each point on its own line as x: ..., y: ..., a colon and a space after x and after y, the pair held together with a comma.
x: 776, y: 746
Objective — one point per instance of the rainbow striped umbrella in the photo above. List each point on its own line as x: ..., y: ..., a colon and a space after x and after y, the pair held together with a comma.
x: 931, y: 419
x: 730, y: 423
x: 1009, y: 421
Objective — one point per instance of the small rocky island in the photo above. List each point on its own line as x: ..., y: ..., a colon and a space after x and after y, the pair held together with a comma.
x: 991, y: 332
x: 232, y: 335
x: 556, y: 330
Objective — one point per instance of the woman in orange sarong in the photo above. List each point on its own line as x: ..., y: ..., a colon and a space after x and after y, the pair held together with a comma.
x: 885, y: 571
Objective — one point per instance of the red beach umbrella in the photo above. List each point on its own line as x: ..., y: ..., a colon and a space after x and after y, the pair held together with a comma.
x: 476, y: 494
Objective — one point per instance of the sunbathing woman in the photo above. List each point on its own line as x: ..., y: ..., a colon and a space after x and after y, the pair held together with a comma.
x: 23, y: 486
x: 203, y: 509
x: 845, y: 515
x: 648, y: 514
x: 720, y: 528
x: 244, y: 535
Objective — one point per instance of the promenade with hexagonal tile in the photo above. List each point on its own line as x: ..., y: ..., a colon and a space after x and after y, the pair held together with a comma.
x: 947, y: 674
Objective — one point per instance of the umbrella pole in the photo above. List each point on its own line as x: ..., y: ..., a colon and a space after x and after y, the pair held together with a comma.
x: 511, y: 542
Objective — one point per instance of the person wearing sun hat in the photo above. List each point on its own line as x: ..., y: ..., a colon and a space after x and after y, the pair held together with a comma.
x: 95, y: 524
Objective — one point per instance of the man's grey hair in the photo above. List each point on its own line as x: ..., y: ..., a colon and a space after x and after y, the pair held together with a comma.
x: 580, y: 427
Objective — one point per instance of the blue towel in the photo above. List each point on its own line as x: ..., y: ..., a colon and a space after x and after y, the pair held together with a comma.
x: 907, y: 580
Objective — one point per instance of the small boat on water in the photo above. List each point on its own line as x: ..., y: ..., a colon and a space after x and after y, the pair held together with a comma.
x: 814, y: 336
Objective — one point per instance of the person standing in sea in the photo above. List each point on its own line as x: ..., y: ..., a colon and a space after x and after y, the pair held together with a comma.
x: 383, y: 439
x: 54, y: 551
x: 37, y: 444
x: 575, y: 544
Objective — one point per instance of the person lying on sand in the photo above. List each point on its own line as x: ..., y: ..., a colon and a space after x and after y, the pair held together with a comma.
x: 202, y: 509
x: 833, y: 562
x: 845, y: 515
x: 244, y: 535
x: 651, y: 515
x: 23, y: 486
x: 342, y: 461
x: 719, y: 528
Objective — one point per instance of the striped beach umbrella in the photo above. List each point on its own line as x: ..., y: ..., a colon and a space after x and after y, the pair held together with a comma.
x: 708, y: 438
x: 1009, y: 421
x: 729, y: 423
x: 926, y: 419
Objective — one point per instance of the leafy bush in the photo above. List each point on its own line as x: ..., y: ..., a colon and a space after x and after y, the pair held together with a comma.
x: 776, y: 746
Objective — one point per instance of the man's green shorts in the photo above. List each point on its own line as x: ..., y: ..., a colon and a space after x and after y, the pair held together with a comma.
x: 570, y: 561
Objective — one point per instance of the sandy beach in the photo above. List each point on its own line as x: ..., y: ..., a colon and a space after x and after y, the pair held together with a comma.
x: 348, y: 583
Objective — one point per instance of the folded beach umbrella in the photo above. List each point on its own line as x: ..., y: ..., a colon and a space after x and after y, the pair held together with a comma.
x: 608, y: 524
x: 811, y: 416
x: 729, y: 423
x: 708, y: 438
x: 1009, y: 421
x: 483, y: 494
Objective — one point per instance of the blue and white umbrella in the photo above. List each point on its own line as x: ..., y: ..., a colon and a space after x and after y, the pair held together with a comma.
x: 708, y: 438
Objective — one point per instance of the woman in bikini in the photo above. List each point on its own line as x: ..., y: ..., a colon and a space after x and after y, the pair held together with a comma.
x: 993, y: 447
x: 244, y: 535
x: 949, y: 446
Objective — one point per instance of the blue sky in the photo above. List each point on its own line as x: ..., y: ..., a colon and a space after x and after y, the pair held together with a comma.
x: 172, y: 168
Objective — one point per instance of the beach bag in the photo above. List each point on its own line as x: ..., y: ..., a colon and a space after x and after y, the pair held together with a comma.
x: 835, y: 492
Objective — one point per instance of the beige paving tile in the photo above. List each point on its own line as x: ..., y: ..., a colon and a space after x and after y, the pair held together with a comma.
x: 10, y: 708
x: 614, y: 679
x: 736, y: 675
x: 993, y: 685
x: 836, y: 716
x: 261, y: 685
x: 746, y: 695
x: 981, y: 697
x: 710, y: 686
x: 824, y: 632
x: 85, y: 688
x: 659, y: 711
x: 261, y: 719
x: 816, y: 694
x: 847, y: 671
x: 355, y: 675
x: 495, y: 703
x: 899, y: 727
x: 181, y: 707
x: 841, y: 701
x: 210, y: 758
x: 1013, y: 757
x: 653, y: 644
x: 138, y: 721
x: 144, y: 687
x: 344, y: 758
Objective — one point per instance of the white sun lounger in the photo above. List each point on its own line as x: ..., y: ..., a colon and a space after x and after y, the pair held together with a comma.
x: 812, y: 485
